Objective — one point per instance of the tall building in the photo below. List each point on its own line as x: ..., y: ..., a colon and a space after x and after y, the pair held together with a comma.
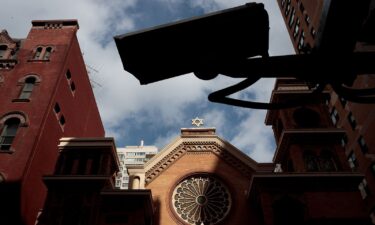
x: 302, y: 18
x: 132, y: 155
x: 45, y: 95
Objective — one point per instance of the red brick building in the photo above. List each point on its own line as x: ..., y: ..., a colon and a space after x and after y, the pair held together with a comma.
x: 45, y: 95
x: 199, y: 178
x: 302, y: 18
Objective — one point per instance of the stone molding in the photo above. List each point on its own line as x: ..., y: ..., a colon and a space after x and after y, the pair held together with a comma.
x: 196, y: 147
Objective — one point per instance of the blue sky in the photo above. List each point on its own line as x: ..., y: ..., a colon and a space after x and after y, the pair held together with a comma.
x: 155, y: 112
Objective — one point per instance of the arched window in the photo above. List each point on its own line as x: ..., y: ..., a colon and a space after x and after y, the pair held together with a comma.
x: 43, y: 53
x: 47, y: 54
x: 27, y: 88
x: 38, y: 52
x: 8, y: 133
x: 3, y: 50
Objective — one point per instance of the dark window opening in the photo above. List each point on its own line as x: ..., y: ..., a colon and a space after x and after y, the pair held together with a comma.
x: 38, y: 53
x: 344, y: 140
x: 47, y: 54
x: 72, y: 87
x: 296, y: 28
x: 352, y: 159
x: 362, y: 145
x: 62, y: 121
x: 352, y: 121
x: 68, y: 75
x: 364, y: 189
x: 301, y: 42
x: 57, y: 108
x: 293, y: 15
x: 335, y: 116
x: 373, y: 168
x: 287, y: 9
x: 8, y: 133
x: 3, y: 50
x: 27, y: 88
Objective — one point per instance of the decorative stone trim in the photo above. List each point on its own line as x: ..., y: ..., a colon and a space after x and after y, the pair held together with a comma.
x: 5, y: 38
x: 164, y: 163
x: 23, y: 79
x: 7, y: 64
x: 15, y: 114
x: 196, y: 147
x: 201, y: 199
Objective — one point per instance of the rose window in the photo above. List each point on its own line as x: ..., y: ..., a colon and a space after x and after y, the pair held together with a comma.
x: 201, y: 200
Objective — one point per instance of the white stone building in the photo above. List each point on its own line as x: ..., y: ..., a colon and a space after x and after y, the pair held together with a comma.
x: 132, y: 155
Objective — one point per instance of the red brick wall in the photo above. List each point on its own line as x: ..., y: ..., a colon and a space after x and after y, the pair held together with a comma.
x: 190, y: 163
x: 36, y: 145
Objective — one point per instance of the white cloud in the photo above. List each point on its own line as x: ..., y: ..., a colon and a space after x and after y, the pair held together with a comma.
x: 253, y: 138
x: 164, y: 139
x: 120, y: 97
x: 216, y: 117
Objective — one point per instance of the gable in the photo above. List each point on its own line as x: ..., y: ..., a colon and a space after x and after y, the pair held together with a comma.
x: 199, y: 145
x: 6, y: 39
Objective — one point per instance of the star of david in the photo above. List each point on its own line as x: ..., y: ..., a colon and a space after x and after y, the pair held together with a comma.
x: 197, y: 122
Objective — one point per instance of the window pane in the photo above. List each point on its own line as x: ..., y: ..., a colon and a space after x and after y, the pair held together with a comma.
x: 47, y: 54
x: 7, y: 140
x: 11, y: 129
x: 38, y: 52
x: 25, y: 95
x: 28, y: 87
x: 8, y: 133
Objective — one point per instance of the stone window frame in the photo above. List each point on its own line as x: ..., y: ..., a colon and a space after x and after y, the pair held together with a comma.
x: 71, y: 84
x: 195, y: 177
x: 57, y: 110
x: 24, y: 122
x: 22, y: 83
x: 42, y: 53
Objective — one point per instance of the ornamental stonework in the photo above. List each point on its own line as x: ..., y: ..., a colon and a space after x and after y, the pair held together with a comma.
x: 196, y: 147
x: 201, y: 199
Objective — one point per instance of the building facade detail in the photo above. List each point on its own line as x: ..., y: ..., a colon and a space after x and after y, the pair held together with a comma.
x: 196, y: 147
x: 28, y: 128
x: 201, y: 199
x: 132, y: 155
